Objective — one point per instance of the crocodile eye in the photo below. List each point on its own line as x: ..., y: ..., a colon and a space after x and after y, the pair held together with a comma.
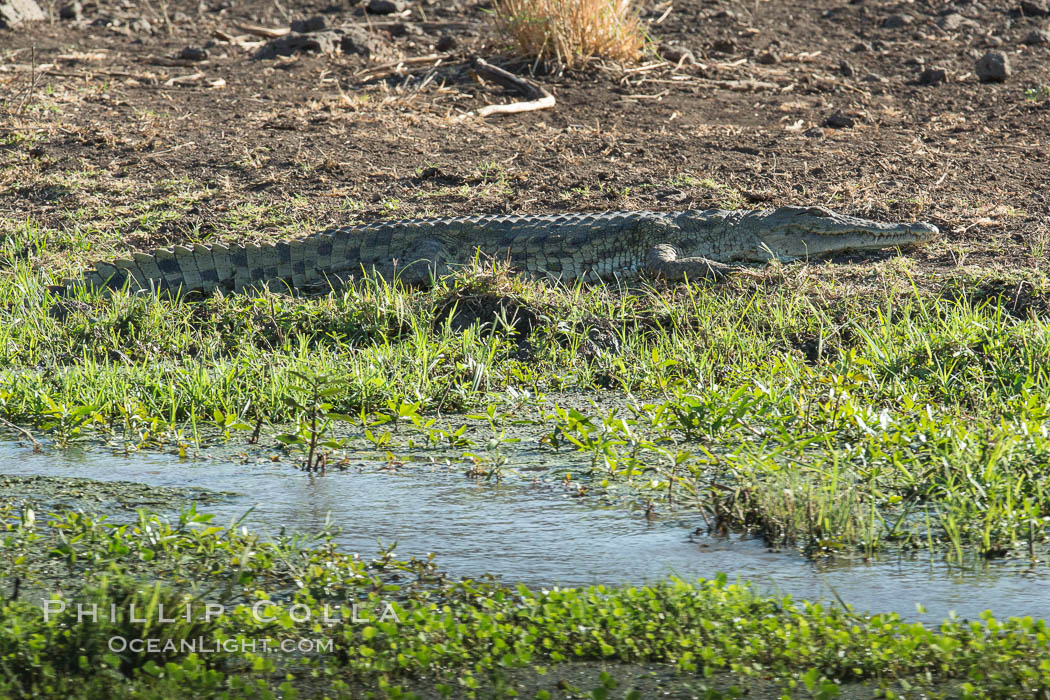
x: 818, y: 211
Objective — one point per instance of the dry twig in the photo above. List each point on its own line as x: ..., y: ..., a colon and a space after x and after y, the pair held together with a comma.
x: 264, y: 32
x: 539, y: 98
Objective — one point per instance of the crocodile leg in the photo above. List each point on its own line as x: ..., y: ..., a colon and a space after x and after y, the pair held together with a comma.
x: 662, y: 261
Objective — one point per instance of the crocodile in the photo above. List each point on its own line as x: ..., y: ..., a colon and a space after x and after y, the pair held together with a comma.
x: 588, y: 247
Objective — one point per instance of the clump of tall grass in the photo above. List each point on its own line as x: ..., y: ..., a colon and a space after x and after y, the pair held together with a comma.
x: 572, y: 32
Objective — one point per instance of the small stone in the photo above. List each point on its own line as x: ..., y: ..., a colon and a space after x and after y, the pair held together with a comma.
x: 933, y: 76
x: 897, y: 21
x: 74, y: 11
x: 404, y: 29
x: 993, y: 67
x: 724, y: 46
x: 315, y: 42
x: 303, y: 26
x: 875, y: 78
x: 1038, y: 37
x: 768, y: 58
x: 447, y: 42
x: 359, y: 41
x: 951, y: 22
x: 140, y: 25
x: 14, y: 12
x: 676, y: 54
x: 860, y: 47
x: 1034, y: 8
x: 838, y: 120
x: 193, y: 53
x: 846, y: 69
x: 384, y: 7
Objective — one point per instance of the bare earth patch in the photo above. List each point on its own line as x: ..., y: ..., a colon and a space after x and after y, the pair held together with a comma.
x: 133, y: 127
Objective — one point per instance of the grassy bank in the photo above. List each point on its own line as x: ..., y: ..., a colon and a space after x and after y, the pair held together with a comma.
x: 838, y: 417
x: 415, y: 634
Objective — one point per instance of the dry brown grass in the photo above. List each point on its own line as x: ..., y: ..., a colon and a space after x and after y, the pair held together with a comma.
x: 573, y: 31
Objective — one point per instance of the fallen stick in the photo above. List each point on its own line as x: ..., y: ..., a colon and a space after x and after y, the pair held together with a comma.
x: 145, y: 77
x: 394, y: 67
x: 740, y: 85
x: 540, y: 98
x: 25, y: 433
x: 264, y: 32
x: 184, y: 79
x: 425, y: 26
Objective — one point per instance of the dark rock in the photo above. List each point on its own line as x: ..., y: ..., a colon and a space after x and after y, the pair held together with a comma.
x: 1034, y: 8
x: 676, y: 54
x: 304, y: 26
x: 846, y: 69
x: 838, y: 120
x: 768, y: 58
x: 860, y: 47
x: 75, y: 12
x: 384, y: 7
x: 315, y: 42
x: 14, y: 12
x: 897, y: 21
x: 1038, y: 37
x: 993, y: 67
x: 933, y: 76
x: 447, y: 42
x: 193, y: 53
x: 404, y: 29
x: 359, y: 41
x: 724, y: 46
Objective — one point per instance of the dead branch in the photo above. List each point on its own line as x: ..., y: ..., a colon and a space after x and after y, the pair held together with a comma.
x: 395, y: 67
x: 23, y: 432
x: 184, y: 79
x: 538, y: 96
x: 264, y: 32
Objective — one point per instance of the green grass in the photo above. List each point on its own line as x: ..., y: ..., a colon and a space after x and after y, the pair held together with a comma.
x: 834, y: 419
x: 900, y: 419
x: 415, y: 631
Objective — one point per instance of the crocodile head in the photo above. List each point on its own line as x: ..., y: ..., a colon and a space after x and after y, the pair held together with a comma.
x: 792, y: 233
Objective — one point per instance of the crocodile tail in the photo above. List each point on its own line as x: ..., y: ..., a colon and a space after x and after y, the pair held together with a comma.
x: 205, y: 268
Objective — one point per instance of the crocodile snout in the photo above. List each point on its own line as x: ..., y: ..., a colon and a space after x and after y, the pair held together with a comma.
x: 923, y: 230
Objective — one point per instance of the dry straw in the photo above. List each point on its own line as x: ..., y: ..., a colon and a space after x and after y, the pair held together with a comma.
x: 573, y: 31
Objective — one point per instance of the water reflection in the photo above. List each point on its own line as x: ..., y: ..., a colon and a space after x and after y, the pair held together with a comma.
x: 542, y: 536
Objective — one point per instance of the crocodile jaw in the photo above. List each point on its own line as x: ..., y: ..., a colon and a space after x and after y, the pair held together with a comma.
x: 792, y: 233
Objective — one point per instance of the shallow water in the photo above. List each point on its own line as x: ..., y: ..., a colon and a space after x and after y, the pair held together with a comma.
x: 541, y: 536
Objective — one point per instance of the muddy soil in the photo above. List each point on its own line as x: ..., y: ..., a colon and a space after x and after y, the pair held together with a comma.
x: 819, y: 101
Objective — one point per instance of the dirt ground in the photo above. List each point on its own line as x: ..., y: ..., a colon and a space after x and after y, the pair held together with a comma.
x: 112, y: 140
